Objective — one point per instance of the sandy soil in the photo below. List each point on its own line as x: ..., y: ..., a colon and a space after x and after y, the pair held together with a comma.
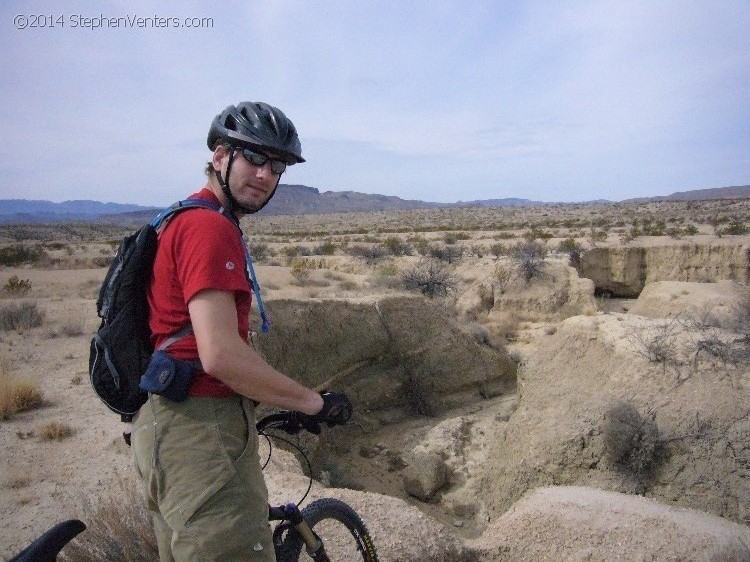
x: 43, y: 481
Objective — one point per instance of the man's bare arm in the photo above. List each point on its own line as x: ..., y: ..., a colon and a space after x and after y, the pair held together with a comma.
x: 227, y: 357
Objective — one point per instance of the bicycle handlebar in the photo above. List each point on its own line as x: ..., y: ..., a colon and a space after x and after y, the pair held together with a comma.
x: 290, y: 422
x: 48, y: 546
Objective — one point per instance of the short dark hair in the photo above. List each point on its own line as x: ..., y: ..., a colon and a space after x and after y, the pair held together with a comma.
x: 209, y: 169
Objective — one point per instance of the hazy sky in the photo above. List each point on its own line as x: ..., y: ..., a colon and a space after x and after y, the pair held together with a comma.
x: 432, y: 100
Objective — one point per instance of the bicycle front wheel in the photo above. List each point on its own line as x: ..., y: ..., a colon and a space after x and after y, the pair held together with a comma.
x: 342, y: 531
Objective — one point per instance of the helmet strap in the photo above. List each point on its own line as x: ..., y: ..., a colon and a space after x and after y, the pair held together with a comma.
x: 235, y: 205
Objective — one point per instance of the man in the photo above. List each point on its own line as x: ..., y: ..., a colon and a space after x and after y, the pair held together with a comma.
x: 198, y: 459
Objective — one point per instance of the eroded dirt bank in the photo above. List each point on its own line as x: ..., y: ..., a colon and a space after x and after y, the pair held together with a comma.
x: 493, y: 446
x: 623, y: 271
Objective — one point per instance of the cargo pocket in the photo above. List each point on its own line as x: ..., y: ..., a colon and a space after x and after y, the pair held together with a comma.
x: 190, y: 506
x: 203, y: 470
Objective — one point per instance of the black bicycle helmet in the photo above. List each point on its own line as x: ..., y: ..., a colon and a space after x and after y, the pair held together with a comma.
x: 253, y: 125
x: 257, y: 125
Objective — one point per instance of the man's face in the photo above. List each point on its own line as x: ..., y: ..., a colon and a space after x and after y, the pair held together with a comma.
x: 251, y: 185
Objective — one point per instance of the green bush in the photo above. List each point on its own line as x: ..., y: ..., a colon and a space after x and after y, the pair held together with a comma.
x: 569, y: 245
x: 259, y: 251
x: 12, y: 256
x: 497, y: 249
x: 735, y: 228
x: 370, y: 254
x: 450, y: 254
x: 397, y: 247
x: 327, y: 248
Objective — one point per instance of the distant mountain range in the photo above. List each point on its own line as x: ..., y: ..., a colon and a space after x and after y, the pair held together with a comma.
x: 734, y: 192
x: 25, y: 210
x: 295, y: 200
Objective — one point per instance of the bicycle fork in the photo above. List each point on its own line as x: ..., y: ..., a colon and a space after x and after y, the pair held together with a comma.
x: 290, y: 513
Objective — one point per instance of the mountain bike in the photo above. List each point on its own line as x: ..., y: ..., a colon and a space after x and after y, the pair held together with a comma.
x: 327, y: 529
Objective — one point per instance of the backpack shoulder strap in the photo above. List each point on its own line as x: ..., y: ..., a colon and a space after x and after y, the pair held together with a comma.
x: 159, y: 222
x: 186, y: 204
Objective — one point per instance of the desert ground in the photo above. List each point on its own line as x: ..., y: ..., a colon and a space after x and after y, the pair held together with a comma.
x: 559, y: 382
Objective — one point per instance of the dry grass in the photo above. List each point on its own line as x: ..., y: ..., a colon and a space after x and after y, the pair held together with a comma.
x: 55, y: 431
x: 118, y: 528
x: 17, y: 480
x: 16, y: 395
x: 20, y: 316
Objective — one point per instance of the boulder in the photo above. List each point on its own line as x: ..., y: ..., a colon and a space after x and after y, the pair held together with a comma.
x: 581, y: 523
x: 425, y: 475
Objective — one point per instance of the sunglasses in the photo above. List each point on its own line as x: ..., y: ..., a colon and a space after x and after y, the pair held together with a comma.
x: 258, y: 159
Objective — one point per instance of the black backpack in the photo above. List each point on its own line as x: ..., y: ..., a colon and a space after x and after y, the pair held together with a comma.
x: 121, y: 349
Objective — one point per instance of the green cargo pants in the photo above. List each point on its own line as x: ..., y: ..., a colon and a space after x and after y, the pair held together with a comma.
x: 199, y: 463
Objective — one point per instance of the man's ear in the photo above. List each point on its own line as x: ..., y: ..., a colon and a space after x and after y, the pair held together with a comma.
x: 220, y: 155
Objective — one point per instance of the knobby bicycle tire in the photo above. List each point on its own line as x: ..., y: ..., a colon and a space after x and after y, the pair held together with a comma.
x: 343, y: 532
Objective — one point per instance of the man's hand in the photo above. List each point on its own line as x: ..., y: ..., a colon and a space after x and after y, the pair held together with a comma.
x: 337, y: 409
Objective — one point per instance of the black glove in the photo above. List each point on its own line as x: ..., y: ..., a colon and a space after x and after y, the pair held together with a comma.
x: 297, y: 421
x: 337, y: 409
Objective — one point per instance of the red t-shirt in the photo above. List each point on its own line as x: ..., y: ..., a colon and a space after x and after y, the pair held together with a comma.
x: 198, y: 249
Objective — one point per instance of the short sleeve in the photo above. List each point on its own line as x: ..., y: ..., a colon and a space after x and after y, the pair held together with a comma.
x: 209, y: 253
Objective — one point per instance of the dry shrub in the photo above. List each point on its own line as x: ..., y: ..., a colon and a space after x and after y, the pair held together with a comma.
x: 658, y: 342
x: 260, y: 252
x: 55, y: 431
x: 432, y: 277
x: 17, y: 480
x: 420, y: 399
x: 530, y: 259
x: 16, y: 395
x: 507, y: 326
x: 630, y: 440
x: 118, y: 528
x: 20, y: 316
x: 370, y: 254
x: 16, y: 287
x: 503, y: 277
x: 397, y: 247
x: 72, y: 327
x: 486, y: 297
x: 300, y: 272
x: 447, y: 253
x: 348, y: 285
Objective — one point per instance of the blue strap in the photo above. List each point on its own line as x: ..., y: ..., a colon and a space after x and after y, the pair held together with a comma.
x: 193, y: 203
x: 266, y: 325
